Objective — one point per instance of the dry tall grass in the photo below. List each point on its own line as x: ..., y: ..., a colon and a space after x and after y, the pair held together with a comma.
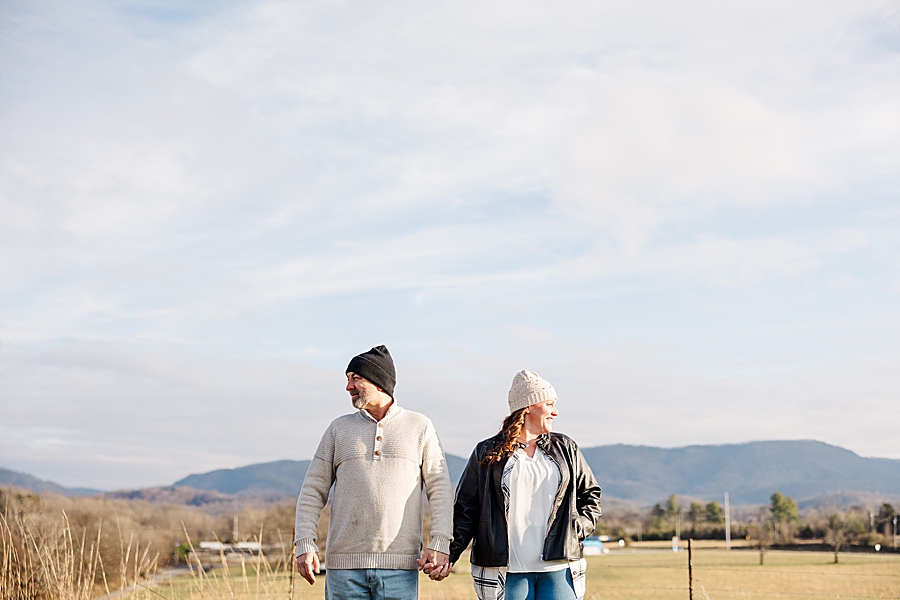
x: 56, y: 548
x: 47, y: 559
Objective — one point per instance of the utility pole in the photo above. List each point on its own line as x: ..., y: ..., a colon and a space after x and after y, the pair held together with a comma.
x: 234, y: 530
x: 895, y: 532
x: 727, y: 523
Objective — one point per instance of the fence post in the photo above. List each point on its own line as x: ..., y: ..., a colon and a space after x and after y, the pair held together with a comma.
x: 690, y: 570
x: 292, y: 560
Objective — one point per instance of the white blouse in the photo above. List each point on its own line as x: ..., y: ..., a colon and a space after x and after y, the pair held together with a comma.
x: 532, y: 483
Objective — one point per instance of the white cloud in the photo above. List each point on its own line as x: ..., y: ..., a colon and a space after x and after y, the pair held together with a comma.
x: 196, y: 211
x: 107, y: 406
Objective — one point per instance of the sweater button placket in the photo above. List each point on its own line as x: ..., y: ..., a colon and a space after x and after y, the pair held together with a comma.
x: 378, y: 439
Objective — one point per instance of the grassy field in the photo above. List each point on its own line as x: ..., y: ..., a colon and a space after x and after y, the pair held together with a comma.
x: 737, y: 574
x: 628, y: 574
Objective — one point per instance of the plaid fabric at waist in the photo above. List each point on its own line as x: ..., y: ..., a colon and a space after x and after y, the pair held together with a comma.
x: 490, y: 582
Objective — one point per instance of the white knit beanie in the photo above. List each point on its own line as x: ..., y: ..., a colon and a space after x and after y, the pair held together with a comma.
x: 529, y: 388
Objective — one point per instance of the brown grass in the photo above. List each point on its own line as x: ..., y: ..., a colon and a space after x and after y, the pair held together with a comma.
x: 46, y: 560
x: 737, y: 574
x: 53, y: 547
x: 621, y: 575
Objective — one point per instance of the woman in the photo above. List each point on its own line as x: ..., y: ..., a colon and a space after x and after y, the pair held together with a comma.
x: 529, y: 499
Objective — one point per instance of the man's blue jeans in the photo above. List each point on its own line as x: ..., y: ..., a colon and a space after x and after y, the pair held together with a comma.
x: 371, y: 584
x: 553, y: 585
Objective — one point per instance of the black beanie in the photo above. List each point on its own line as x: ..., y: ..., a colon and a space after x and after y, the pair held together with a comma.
x: 377, y: 366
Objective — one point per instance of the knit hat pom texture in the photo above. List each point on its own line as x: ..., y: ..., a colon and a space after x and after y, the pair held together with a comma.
x: 527, y: 389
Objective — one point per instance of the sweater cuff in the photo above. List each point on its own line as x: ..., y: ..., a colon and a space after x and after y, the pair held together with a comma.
x: 305, y: 545
x: 440, y: 543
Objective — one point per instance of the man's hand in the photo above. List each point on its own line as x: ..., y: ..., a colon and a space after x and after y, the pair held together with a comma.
x: 435, y: 564
x: 308, y: 565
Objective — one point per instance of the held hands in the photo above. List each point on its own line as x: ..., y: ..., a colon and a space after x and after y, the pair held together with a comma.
x: 435, y: 564
x: 308, y: 566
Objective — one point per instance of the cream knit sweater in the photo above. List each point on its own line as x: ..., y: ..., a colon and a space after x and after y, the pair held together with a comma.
x: 377, y: 469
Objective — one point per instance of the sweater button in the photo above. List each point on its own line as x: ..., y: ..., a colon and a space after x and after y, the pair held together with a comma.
x: 378, y: 453
x: 378, y: 438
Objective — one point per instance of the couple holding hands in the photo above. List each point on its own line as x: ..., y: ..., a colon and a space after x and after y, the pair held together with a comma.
x: 526, y: 500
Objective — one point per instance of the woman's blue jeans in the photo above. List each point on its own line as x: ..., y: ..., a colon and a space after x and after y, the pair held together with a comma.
x: 371, y: 584
x: 552, y: 585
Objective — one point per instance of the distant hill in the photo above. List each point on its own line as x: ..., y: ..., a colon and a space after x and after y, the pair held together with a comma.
x: 281, y: 478
x: 846, y: 499
x: 750, y: 472
x: 41, y: 486
x: 455, y: 465
x: 176, y: 495
x: 814, y: 473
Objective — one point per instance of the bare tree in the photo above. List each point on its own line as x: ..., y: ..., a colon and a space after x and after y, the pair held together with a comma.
x: 673, y: 511
x: 763, y: 533
x: 836, y: 534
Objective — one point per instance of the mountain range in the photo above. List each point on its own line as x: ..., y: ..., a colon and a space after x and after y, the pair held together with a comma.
x: 41, y: 486
x: 278, y: 477
x: 750, y: 472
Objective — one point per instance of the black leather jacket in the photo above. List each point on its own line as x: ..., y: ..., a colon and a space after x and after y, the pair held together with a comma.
x: 479, y: 510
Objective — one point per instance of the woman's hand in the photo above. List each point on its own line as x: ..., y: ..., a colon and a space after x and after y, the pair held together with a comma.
x: 435, y: 564
x: 439, y: 573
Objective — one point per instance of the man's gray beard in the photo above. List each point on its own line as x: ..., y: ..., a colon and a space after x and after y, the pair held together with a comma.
x: 359, y: 402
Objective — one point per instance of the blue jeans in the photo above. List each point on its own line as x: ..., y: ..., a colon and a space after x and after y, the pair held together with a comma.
x: 552, y: 585
x: 371, y: 584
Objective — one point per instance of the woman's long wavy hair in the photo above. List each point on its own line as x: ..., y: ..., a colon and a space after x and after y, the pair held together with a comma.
x: 510, y: 430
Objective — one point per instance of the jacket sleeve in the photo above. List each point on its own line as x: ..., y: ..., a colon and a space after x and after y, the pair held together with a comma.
x: 439, y: 491
x: 587, y: 497
x: 466, y: 508
x: 314, y: 495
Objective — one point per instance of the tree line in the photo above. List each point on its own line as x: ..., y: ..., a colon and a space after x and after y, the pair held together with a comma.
x: 779, y: 523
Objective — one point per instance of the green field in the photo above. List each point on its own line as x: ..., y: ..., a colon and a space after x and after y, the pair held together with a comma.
x: 621, y: 575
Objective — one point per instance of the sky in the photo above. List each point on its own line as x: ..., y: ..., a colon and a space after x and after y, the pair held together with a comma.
x: 684, y: 215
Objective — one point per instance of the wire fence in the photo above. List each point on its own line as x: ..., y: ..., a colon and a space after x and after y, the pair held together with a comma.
x: 704, y: 573
x: 713, y: 578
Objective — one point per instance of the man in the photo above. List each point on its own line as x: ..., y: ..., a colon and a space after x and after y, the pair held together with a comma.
x: 377, y: 459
